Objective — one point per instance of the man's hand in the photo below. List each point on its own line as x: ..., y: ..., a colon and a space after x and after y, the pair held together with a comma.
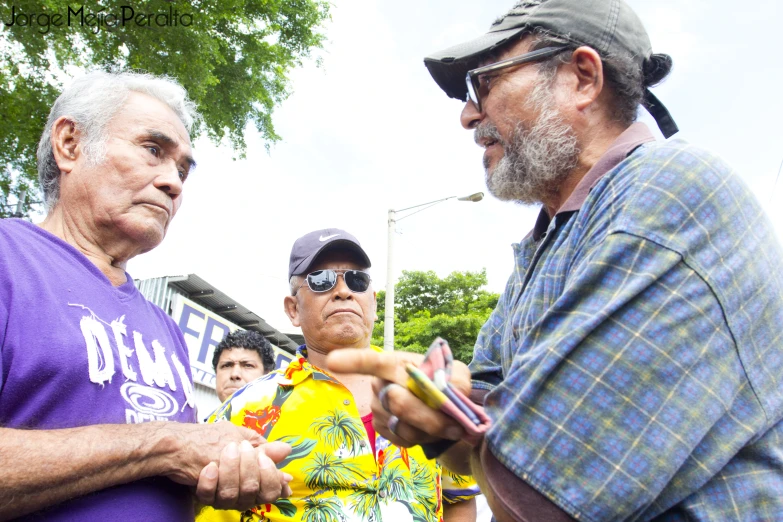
x: 417, y: 423
x: 246, y: 477
x: 232, y: 467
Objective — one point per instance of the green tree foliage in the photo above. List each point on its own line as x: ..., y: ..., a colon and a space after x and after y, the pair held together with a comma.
x: 427, y: 306
x: 232, y: 56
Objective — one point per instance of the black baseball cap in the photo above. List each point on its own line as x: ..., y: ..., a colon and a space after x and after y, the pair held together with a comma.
x: 308, y: 247
x: 608, y: 26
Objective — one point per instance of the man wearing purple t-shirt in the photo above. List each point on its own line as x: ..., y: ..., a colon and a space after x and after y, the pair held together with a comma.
x: 96, y: 400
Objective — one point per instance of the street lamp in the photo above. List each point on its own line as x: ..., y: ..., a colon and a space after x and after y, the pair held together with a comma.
x: 388, y: 317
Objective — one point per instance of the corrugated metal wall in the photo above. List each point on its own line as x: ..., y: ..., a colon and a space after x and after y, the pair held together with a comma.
x: 206, y: 401
x: 158, y: 291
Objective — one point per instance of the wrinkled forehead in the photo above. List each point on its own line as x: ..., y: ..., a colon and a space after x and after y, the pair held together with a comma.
x: 141, y: 109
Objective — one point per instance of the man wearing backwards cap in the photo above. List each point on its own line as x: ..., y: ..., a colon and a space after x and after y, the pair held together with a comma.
x: 633, y: 367
x: 341, y: 469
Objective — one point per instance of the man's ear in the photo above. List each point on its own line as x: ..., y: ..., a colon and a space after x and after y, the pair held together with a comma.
x: 66, y: 143
x: 588, y: 71
x: 375, y: 306
x: 291, y: 306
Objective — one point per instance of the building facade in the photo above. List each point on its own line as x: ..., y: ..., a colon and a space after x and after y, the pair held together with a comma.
x: 206, y: 315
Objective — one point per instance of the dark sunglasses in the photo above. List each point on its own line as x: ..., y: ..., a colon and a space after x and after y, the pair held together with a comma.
x: 324, y: 280
x: 473, y: 78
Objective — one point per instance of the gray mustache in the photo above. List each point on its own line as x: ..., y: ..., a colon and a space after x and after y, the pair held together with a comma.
x: 487, y: 131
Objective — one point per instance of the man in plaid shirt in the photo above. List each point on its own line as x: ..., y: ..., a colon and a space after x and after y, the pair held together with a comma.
x: 632, y: 368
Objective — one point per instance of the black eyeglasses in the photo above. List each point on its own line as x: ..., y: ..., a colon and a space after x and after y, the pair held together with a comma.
x: 324, y: 280
x: 473, y: 78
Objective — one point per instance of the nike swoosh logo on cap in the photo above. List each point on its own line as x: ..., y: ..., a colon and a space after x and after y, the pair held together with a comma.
x: 327, y: 238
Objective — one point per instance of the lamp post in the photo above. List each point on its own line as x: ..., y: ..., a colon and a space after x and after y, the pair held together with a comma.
x: 20, y: 204
x: 388, y: 317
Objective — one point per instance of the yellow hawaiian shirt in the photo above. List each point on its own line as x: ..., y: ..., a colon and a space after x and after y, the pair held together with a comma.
x: 336, y: 476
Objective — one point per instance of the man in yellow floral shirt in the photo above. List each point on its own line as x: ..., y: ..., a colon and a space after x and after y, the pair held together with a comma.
x: 343, y: 470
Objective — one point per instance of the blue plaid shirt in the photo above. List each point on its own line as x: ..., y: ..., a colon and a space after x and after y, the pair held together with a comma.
x: 635, y: 358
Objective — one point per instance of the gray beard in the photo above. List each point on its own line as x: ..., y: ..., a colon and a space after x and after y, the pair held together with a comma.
x: 537, y: 159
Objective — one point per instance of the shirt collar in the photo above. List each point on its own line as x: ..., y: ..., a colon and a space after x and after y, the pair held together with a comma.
x: 300, y: 369
x: 621, y: 148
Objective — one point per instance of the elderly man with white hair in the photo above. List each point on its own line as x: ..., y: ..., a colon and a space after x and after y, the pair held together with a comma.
x: 96, y: 400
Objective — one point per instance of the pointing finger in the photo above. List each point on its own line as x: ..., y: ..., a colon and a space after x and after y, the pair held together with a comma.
x: 386, y: 365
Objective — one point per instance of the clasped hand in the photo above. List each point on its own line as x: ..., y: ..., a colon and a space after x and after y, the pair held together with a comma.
x: 232, y: 467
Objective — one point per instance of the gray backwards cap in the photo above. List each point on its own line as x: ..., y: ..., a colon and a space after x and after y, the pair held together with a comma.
x: 308, y: 247
x: 608, y: 26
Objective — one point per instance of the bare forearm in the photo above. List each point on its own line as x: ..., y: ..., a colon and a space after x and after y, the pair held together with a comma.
x: 44, y: 467
x: 464, y: 511
x: 457, y: 458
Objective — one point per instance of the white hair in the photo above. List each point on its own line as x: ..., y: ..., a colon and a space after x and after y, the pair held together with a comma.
x: 90, y: 102
x: 295, y: 282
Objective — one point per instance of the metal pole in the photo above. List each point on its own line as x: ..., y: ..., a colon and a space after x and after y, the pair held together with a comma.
x: 20, y: 204
x: 388, y: 316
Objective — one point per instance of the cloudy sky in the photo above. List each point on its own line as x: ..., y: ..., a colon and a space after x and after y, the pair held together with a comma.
x: 370, y: 130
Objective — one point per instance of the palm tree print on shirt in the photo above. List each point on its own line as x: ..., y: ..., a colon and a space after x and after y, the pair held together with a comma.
x: 337, y: 476
x: 328, y: 509
x: 330, y: 472
x: 340, y: 431
x: 367, y: 503
x: 393, y: 482
x: 424, y: 483
x: 415, y: 492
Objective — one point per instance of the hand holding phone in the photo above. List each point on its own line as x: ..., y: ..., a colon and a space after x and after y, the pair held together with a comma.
x: 430, y: 383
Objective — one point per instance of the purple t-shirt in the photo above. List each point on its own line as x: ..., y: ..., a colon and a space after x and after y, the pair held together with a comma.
x: 76, y: 351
